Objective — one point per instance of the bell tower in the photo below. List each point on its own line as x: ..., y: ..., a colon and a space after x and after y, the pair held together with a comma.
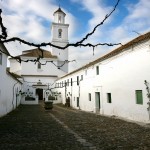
x: 60, y: 38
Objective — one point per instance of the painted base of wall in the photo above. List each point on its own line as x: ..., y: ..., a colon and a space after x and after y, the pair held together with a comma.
x: 28, y: 102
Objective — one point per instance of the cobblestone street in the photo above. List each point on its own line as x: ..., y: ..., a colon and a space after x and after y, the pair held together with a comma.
x: 33, y: 128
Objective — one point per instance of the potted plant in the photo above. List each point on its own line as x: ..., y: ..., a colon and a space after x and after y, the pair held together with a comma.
x: 49, y: 103
x: 51, y: 98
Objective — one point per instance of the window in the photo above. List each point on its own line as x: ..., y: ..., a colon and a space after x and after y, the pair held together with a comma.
x: 77, y: 80
x: 97, y: 70
x: 81, y: 77
x: 71, y: 82
x: 0, y: 58
x: 65, y: 83
x: 59, y: 33
x: 77, y: 101
x: 89, y: 96
x: 56, y: 85
x: 39, y: 65
x: 85, y: 72
x: 139, y: 97
x: 109, y: 97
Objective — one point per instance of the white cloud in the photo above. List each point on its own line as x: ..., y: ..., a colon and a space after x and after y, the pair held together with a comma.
x: 136, y: 20
x: 26, y: 19
x: 98, y: 11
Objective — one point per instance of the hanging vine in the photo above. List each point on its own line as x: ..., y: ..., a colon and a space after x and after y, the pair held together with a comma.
x: 148, y: 96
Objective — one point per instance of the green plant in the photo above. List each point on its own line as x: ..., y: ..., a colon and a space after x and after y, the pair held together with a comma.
x: 29, y: 98
x: 50, y: 97
x: 148, y: 96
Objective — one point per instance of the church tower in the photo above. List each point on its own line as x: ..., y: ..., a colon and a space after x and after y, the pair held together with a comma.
x: 60, y: 38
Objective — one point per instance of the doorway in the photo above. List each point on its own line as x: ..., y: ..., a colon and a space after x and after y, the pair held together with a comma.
x: 97, y: 101
x: 39, y: 92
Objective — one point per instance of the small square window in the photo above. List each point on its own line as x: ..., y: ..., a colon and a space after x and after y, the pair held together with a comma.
x: 139, y: 97
x: 109, y: 97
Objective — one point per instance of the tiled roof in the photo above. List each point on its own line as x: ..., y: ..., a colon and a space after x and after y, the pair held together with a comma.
x: 114, y: 52
x: 13, y: 75
x: 37, y: 53
x: 32, y: 75
x: 6, y: 51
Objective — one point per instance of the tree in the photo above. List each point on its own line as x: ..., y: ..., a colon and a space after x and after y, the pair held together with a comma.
x: 4, y: 39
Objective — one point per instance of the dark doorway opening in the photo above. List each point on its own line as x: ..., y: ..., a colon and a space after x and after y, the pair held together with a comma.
x: 39, y: 92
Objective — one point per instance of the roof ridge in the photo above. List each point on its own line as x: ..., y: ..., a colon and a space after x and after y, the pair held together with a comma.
x: 113, y: 52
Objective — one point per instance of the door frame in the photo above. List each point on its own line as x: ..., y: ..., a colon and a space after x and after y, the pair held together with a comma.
x: 97, y: 102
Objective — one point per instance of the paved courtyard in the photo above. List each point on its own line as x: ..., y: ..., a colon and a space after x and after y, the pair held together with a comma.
x: 33, y: 128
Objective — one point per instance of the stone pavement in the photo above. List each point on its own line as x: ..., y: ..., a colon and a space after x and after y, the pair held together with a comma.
x: 33, y: 128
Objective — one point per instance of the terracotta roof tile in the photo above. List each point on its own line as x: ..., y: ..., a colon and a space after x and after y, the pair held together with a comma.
x: 37, y: 53
x: 13, y: 75
x: 114, y: 52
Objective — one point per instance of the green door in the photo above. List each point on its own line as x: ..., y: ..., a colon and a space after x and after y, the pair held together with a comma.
x: 97, y: 101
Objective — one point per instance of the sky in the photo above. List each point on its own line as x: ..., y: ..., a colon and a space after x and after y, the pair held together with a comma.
x: 31, y: 20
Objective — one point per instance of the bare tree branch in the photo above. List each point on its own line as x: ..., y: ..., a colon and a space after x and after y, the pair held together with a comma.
x: 3, y: 39
x: 4, y: 33
x: 106, y: 17
x: 59, y: 47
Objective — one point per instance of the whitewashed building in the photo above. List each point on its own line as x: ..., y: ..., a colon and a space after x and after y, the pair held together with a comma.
x: 39, y: 78
x: 10, y: 86
x: 113, y: 84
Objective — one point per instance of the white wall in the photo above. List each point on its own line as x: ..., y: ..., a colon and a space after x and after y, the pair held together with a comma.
x: 30, y: 68
x: 119, y: 75
x: 9, y: 89
x: 15, y: 66
x: 30, y: 81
